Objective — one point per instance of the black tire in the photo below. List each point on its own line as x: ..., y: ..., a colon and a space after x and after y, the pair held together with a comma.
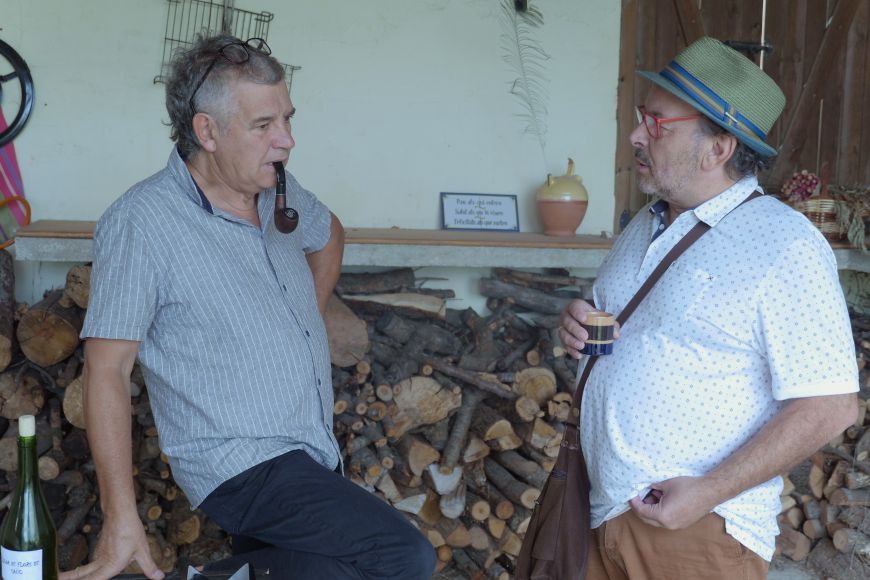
x: 22, y: 73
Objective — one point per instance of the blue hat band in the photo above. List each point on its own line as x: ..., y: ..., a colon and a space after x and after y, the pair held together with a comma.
x: 717, y: 107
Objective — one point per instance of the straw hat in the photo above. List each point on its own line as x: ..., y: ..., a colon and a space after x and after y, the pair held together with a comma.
x: 727, y: 87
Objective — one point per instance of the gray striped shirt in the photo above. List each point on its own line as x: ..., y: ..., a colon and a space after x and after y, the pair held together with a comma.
x: 232, y: 345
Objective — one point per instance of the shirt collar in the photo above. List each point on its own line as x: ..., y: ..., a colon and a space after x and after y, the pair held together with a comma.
x: 189, y: 185
x: 713, y: 210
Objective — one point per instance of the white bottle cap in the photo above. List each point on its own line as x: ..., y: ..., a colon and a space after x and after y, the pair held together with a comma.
x: 26, y: 426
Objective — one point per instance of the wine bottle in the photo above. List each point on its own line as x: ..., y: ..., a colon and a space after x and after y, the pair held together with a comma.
x: 28, y: 540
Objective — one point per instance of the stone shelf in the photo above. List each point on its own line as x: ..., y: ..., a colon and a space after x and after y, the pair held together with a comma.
x: 72, y: 241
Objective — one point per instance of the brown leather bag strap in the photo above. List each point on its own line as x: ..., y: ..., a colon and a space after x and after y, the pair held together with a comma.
x: 690, y: 238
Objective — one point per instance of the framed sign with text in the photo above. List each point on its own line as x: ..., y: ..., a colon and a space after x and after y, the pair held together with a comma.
x: 479, y: 211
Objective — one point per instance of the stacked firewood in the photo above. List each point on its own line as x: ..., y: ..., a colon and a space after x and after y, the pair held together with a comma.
x: 41, y: 360
x: 452, y: 417
x: 825, y: 518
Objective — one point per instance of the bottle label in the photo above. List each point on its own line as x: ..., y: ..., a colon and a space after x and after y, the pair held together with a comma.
x: 21, y: 565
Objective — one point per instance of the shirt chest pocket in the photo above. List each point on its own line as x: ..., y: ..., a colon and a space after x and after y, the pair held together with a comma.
x: 684, y: 291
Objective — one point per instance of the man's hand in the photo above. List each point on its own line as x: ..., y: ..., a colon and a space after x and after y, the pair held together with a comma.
x: 122, y: 541
x: 675, y: 503
x: 573, y: 335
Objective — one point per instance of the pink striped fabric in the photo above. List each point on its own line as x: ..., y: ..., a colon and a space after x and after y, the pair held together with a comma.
x: 10, y: 179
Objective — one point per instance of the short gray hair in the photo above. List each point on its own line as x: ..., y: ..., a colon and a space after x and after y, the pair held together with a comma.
x: 745, y: 162
x: 214, y: 96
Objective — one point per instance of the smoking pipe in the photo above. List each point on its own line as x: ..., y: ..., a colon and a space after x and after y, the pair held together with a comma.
x: 286, y: 218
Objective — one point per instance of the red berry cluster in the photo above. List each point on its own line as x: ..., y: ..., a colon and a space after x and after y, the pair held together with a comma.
x: 800, y: 186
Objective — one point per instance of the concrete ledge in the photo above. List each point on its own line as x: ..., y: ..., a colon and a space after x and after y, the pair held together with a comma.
x: 50, y: 241
x: 57, y: 241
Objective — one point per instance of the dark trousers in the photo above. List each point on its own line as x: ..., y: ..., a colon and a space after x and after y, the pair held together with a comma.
x: 301, y: 520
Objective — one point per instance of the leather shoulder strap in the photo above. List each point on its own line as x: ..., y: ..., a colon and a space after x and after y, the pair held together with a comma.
x: 690, y: 238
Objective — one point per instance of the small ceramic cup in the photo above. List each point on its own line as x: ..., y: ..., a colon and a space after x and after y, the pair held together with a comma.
x: 599, y: 325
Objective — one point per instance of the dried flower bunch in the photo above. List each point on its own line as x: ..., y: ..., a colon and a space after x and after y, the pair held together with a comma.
x: 801, y: 186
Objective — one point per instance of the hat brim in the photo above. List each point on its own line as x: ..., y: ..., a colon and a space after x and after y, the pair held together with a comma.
x: 756, y: 145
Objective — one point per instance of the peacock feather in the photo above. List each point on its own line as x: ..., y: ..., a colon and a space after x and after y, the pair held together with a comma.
x: 527, y: 59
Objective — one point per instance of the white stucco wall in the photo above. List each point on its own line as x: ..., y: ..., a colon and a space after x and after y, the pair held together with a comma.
x: 397, y: 101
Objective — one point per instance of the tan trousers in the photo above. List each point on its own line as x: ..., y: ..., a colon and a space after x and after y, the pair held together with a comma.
x: 629, y: 549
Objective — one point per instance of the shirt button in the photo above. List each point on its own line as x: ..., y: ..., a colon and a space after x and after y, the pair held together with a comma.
x: 284, y: 286
x: 318, y: 382
x: 307, y: 333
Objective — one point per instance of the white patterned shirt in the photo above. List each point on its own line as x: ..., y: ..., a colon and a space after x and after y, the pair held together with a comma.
x: 750, y: 316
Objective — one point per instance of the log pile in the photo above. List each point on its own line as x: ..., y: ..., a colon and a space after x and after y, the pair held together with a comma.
x: 452, y: 417
x: 40, y: 368
x: 825, y: 518
x: 455, y: 418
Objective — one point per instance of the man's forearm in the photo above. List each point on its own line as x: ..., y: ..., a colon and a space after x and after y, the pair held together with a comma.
x: 107, y: 414
x: 325, y: 264
x: 802, y: 427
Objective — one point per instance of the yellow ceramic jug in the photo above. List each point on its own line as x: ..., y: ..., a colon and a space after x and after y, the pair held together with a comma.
x: 562, y: 203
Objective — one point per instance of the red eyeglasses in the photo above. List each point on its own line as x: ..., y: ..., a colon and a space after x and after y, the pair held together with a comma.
x: 654, y: 124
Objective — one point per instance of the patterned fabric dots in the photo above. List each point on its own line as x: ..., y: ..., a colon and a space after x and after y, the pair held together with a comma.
x: 750, y: 316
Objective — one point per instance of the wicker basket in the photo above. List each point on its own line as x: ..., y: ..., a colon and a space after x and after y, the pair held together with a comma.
x: 822, y: 211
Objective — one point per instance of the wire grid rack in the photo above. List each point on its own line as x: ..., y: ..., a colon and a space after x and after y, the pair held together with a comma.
x: 185, y: 19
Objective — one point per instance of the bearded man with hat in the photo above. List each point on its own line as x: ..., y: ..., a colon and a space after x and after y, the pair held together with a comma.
x: 737, y: 365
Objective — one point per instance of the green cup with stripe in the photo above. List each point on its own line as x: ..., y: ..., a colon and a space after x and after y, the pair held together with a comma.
x: 599, y: 325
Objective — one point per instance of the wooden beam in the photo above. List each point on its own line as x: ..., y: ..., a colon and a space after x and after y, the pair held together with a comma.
x: 832, y: 45
x: 625, y: 121
x: 689, y: 18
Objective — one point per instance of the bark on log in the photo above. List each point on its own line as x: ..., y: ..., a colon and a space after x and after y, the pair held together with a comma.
x: 520, y: 410
x: 857, y: 480
x: 525, y: 297
x: 49, y: 331
x: 851, y: 497
x: 513, y: 489
x: 494, y: 429
x: 348, y: 338
x: 487, y: 352
x: 830, y: 563
x: 527, y: 470
x: 461, y: 423
x: 73, y: 519
x: 853, y: 543
x: 73, y: 403
x: 465, y: 564
x: 7, y: 308
x: 396, y: 327
x: 437, y: 434
x: 375, y: 283
x: 483, y: 381
x: 78, y: 284
x: 541, y: 436
x: 857, y: 518
x: 794, y: 544
x: 20, y: 394
x: 72, y: 553
x: 543, y: 282
x: 406, y: 303
x: 814, y: 529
